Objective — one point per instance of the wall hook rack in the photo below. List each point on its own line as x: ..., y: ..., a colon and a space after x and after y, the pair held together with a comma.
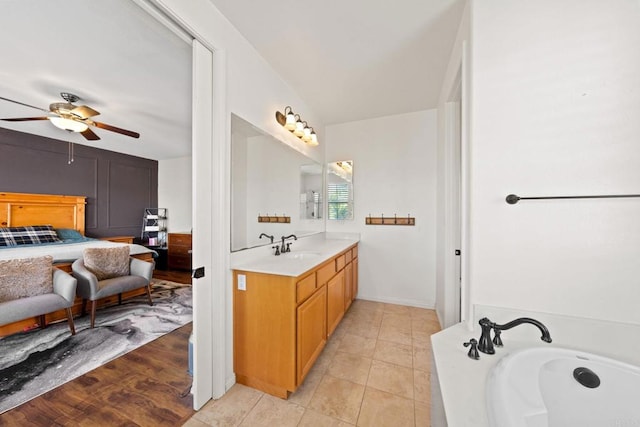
x: 390, y: 220
x: 274, y: 218
x: 512, y: 199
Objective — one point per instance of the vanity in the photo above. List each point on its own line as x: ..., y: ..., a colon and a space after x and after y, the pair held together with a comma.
x: 286, y: 307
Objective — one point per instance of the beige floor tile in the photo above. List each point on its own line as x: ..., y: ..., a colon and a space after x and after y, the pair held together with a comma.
x: 421, y: 386
x: 391, y: 378
x: 193, y: 422
x: 421, y: 339
x: 398, y: 321
x: 360, y: 304
x: 380, y: 409
x: 338, y: 399
x: 350, y: 367
x: 395, y: 308
x: 323, y: 361
x: 356, y: 344
x: 231, y: 408
x: 421, y: 358
x: 333, y: 344
x: 312, y: 418
x: 398, y: 354
x: 393, y: 334
x: 423, y: 313
x: 423, y: 414
x: 424, y: 326
x: 371, y: 316
x: 304, y: 393
x: 364, y: 329
x: 272, y: 411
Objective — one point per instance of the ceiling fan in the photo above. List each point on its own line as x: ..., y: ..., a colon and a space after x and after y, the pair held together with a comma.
x: 66, y: 116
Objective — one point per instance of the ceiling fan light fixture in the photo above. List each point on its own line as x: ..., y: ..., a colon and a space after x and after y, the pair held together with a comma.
x: 68, y: 124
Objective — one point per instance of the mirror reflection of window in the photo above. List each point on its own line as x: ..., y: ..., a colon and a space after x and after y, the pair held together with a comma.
x: 340, y: 190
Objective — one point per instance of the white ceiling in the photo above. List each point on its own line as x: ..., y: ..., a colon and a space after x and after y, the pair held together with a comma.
x: 113, y: 55
x: 353, y: 59
x: 349, y: 60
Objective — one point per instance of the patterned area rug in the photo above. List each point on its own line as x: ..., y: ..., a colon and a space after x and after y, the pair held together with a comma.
x: 35, y: 362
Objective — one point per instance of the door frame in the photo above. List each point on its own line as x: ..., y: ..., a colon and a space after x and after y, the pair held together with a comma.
x: 457, y: 307
x: 210, y: 153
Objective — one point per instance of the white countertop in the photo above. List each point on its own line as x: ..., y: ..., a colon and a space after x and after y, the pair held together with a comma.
x: 314, y: 252
x: 462, y: 380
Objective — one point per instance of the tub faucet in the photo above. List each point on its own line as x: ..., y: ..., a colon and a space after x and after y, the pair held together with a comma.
x: 486, y: 344
x: 283, y: 248
x: 266, y: 235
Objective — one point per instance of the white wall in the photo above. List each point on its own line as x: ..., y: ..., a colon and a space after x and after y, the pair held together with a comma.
x: 556, y: 110
x: 174, y: 192
x: 394, y: 172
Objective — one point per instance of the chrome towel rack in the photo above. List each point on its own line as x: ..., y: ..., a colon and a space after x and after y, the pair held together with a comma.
x: 512, y: 199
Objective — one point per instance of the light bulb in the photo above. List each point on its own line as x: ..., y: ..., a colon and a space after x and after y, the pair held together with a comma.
x: 68, y: 124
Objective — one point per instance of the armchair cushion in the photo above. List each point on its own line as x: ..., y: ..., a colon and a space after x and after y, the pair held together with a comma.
x: 107, y: 263
x: 27, y: 277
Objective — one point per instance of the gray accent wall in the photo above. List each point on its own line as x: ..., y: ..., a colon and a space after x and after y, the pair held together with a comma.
x: 118, y: 187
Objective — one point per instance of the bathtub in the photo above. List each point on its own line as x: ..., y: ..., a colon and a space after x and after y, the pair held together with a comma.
x: 557, y: 387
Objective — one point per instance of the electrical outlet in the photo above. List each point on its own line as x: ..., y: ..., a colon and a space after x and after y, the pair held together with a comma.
x: 242, y: 282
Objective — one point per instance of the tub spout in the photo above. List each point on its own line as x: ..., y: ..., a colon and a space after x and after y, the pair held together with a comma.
x: 486, y: 344
x: 543, y: 329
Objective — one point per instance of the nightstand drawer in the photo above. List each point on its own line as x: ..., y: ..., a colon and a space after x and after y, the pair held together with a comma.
x: 180, y: 239
x: 179, y: 262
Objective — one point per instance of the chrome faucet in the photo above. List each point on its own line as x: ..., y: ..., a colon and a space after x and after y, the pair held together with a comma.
x: 283, y: 248
x: 265, y: 235
x: 486, y: 344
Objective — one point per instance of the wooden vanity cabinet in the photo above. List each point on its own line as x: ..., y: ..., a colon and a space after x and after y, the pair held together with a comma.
x: 281, y: 323
x: 335, y: 301
x: 312, y: 331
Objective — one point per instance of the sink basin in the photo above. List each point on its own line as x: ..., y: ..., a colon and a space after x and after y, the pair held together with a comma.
x: 549, y: 387
x: 301, y: 255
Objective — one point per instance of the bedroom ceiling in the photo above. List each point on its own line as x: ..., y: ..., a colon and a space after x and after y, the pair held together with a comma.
x: 356, y: 59
x: 113, y: 55
x: 349, y: 60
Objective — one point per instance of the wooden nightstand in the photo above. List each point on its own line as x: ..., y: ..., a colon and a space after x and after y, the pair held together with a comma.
x: 119, y: 239
x: 179, y: 251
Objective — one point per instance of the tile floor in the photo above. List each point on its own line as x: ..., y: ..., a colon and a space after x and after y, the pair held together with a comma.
x: 374, y: 371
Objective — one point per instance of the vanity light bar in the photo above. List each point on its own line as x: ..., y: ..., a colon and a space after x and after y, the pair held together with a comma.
x: 294, y: 124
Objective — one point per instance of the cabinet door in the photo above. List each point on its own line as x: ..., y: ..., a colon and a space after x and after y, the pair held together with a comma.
x: 348, y: 285
x: 312, y: 331
x: 335, y: 301
x: 355, y: 278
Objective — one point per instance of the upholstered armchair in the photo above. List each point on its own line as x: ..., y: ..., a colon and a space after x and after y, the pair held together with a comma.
x: 24, y: 291
x: 94, y: 284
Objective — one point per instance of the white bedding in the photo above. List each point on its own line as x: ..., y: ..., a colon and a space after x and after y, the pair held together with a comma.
x: 66, y: 252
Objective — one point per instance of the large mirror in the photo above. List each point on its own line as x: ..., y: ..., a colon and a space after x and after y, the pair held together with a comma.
x: 271, y: 179
x: 340, y: 190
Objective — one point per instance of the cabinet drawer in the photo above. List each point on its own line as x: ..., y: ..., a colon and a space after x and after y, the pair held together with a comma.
x: 348, y: 256
x: 179, y: 239
x: 354, y: 252
x: 326, y: 272
x: 306, y: 287
x: 179, y: 262
x: 340, y: 262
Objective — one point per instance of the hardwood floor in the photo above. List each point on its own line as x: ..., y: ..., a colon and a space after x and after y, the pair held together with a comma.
x: 146, y: 387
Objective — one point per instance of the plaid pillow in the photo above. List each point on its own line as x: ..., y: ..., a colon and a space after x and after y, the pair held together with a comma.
x: 29, y: 235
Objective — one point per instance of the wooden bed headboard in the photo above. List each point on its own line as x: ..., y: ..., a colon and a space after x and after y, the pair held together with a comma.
x: 20, y: 209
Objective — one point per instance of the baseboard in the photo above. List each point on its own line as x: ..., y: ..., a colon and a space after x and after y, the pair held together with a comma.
x: 399, y: 301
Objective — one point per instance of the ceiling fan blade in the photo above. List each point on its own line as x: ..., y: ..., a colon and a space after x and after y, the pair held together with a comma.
x: 22, y: 103
x: 90, y: 135
x: 24, y: 119
x: 84, y: 112
x: 117, y: 130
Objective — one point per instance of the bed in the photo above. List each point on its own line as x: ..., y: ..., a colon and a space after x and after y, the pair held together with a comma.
x: 62, y: 212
